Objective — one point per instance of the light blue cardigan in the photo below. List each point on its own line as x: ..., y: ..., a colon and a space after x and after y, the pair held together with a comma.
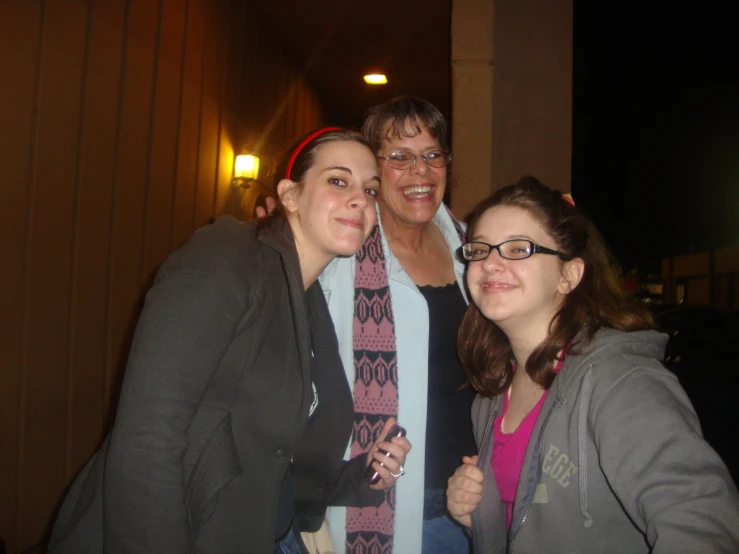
x: 412, y: 333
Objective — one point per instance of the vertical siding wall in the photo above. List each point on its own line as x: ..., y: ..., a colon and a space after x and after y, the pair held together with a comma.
x: 118, y: 125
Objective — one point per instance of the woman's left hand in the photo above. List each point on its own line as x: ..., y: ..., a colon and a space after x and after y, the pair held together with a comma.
x: 398, y: 448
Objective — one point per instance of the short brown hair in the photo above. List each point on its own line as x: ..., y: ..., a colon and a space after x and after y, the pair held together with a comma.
x: 407, y: 115
x: 597, y: 301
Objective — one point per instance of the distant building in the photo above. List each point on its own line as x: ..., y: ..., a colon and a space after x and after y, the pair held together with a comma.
x: 709, y: 278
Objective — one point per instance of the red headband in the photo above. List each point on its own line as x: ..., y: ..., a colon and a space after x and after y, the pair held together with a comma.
x: 302, y: 144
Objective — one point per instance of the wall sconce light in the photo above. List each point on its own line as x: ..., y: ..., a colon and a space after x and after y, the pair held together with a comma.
x: 246, y: 170
x: 375, y: 79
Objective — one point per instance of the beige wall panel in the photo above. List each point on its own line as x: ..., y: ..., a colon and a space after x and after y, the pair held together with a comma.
x: 301, y: 123
x: 532, y: 94
x: 291, y: 123
x: 230, y: 83
x: 208, y: 153
x: 189, y: 138
x: 89, y: 342
x: 130, y: 182
x: 20, y: 25
x: 472, y: 164
x: 165, y: 126
x: 50, y: 263
x: 113, y: 119
x: 250, y: 81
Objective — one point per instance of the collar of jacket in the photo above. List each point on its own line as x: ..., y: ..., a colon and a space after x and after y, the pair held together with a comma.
x: 275, y: 232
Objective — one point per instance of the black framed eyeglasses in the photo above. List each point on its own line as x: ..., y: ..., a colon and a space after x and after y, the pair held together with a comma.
x: 515, y: 249
x: 406, y: 160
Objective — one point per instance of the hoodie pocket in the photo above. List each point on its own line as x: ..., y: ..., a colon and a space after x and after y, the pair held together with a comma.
x: 217, y: 464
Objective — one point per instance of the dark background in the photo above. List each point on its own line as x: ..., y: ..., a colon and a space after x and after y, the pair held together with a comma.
x: 656, y: 126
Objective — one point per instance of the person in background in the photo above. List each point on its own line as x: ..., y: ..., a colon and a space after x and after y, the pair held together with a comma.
x: 396, y: 307
x: 234, y: 401
x: 586, y: 442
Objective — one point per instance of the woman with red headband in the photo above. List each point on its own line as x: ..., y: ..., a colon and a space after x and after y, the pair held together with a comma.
x: 234, y: 401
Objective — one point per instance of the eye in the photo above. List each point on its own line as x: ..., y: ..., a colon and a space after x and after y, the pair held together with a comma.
x: 435, y: 155
x: 371, y: 192
x: 337, y: 181
x: 401, y: 157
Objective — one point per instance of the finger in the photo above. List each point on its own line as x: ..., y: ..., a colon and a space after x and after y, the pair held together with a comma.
x: 394, y: 450
x: 389, y: 424
x: 392, y: 464
x: 386, y: 479
x: 402, y: 442
x: 464, y: 485
x: 469, y: 460
x: 271, y: 204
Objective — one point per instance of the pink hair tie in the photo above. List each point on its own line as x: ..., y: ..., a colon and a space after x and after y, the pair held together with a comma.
x: 302, y: 144
x: 568, y: 198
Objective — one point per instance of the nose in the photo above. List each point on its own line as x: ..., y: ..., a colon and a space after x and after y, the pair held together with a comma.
x: 420, y: 167
x: 494, y: 262
x: 358, y: 199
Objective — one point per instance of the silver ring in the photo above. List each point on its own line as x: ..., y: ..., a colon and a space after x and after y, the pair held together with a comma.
x: 400, y: 473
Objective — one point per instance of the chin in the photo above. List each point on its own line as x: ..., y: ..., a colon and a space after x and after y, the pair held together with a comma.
x: 348, y: 248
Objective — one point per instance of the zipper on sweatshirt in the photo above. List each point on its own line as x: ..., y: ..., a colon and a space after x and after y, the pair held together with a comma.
x: 539, y: 446
x: 480, y: 462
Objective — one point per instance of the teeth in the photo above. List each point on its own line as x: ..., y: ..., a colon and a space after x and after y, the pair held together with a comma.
x: 416, y: 190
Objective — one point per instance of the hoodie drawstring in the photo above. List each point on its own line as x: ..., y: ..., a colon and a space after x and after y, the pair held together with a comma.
x: 582, y: 454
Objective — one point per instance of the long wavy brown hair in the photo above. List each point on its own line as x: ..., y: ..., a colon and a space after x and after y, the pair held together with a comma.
x: 597, y: 301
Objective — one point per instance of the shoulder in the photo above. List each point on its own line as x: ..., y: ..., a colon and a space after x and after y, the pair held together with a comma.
x: 623, y: 364
x: 221, y: 254
x: 338, y: 271
x: 612, y: 352
x: 450, y: 226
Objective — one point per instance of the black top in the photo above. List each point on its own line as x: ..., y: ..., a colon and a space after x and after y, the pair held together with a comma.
x: 448, y: 421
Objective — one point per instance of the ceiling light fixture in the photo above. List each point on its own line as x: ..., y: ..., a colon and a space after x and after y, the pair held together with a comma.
x: 375, y: 79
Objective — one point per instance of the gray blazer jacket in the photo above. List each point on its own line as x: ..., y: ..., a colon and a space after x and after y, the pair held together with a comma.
x: 214, y: 405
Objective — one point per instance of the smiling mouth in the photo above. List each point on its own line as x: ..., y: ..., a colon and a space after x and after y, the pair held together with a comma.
x: 353, y: 223
x: 417, y: 191
x: 496, y: 287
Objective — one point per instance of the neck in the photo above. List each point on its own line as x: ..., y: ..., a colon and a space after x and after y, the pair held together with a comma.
x: 312, y: 262
x: 525, y: 340
x: 411, y: 236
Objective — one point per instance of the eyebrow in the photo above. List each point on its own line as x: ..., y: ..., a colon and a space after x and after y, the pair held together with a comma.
x: 349, y: 171
x: 406, y: 149
x: 509, y: 237
x: 339, y: 167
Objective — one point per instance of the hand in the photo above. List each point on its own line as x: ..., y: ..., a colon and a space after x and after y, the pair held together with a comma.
x: 464, y: 491
x: 398, y: 447
x: 271, y: 205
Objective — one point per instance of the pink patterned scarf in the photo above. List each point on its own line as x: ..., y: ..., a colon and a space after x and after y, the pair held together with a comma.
x: 375, y: 389
x: 370, y: 530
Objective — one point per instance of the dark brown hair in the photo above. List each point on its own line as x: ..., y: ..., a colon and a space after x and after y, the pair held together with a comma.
x: 306, y: 158
x: 408, y: 116
x: 597, y: 301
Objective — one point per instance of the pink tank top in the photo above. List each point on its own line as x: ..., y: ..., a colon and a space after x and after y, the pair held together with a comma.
x: 509, y: 450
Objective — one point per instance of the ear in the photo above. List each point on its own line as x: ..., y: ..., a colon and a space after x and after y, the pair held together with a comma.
x: 287, y: 191
x: 572, y: 272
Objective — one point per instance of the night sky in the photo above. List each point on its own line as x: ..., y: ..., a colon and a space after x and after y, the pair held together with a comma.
x: 656, y: 126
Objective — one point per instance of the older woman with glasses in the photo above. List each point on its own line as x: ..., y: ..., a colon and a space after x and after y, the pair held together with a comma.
x: 396, y: 307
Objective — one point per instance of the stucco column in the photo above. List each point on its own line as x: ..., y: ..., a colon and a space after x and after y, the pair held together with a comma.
x: 472, y: 102
x: 511, y: 95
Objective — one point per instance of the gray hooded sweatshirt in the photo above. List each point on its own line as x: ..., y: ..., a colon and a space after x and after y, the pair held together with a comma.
x: 616, y: 462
